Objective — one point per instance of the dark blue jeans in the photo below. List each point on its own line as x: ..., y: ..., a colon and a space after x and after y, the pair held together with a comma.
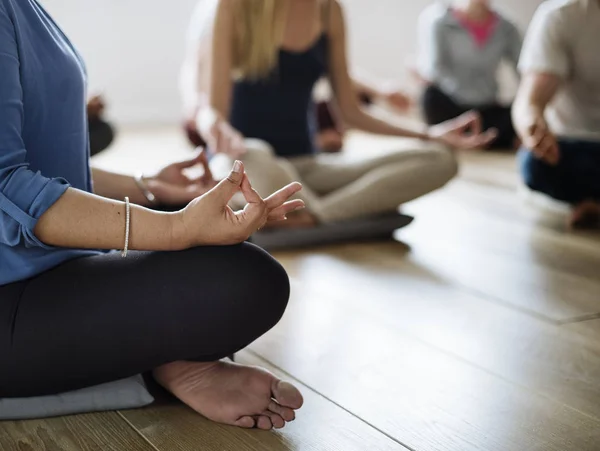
x: 576, y: 177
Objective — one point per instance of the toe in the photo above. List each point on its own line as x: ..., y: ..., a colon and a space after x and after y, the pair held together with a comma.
x: 276, y: 420
x: 286, y: 394
x: 285, y: 412
x: 264, y: 422
x: 246, y: 422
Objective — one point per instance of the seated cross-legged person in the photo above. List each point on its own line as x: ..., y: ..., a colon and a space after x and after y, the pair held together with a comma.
x: 557, y: 109
x: 263, y: 71
x: 461, y: 47
x: 195, y: 84
x: 73, y: 314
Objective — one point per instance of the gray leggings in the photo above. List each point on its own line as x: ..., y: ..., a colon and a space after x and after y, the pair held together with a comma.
x: 103, y: 318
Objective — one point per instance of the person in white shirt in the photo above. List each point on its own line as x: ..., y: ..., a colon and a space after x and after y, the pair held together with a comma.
x: 557, y: 109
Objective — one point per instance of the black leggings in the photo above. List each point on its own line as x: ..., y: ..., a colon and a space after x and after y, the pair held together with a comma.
x: 103, y: 318
x: 438, y: 107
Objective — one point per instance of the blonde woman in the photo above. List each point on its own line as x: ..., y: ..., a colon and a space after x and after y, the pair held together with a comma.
x: 195, y: 85
x: 266, y: 56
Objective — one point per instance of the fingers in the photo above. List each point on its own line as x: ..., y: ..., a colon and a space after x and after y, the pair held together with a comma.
x: 207, y: 176
x: 198, y: 159
x: 250, y: 194
x: 469, y: 120
x: 473, y: 122
x: 275, y: 208
x: 279, y: 197
x: 280, y: 213
x: 230, y: 185
x: 486, y: 138
x: 536, y: 133
x: 548, y: 150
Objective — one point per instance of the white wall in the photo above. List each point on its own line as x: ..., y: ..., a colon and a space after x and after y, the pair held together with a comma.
x: 133, y: 48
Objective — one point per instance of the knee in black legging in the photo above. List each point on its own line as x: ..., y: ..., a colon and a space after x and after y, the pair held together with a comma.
x: 269, y: 285
x: 437, y: 107
x: 241, y: 294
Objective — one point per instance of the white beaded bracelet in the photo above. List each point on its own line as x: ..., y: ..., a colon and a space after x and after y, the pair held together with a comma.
x: 127, y: 223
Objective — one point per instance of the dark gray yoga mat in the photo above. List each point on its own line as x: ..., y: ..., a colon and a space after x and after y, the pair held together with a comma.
x: 363, y: 229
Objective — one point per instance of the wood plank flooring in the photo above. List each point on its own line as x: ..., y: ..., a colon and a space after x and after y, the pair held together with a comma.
x: 479, y: 329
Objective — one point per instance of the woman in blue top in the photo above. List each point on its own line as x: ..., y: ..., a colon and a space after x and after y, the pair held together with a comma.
x: 266, y: 57
x: 72, y: 316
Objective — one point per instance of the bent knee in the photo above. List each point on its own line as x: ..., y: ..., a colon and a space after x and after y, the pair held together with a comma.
x: 258, y: 149
x: 267, y: 281
x: 532, y: 170
x: 445, y: 166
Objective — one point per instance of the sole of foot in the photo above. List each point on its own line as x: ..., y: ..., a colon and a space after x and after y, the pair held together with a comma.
x: 233, y: 394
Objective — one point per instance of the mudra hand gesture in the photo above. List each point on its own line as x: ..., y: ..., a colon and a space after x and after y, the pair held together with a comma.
x: 208, y: 219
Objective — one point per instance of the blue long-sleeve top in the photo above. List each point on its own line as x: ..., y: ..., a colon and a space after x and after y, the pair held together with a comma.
x: 44, y: 143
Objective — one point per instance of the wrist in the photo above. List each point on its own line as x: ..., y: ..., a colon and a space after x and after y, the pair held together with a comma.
x: 144, y: 188
x: 429, y: 135
x: 178, y: 240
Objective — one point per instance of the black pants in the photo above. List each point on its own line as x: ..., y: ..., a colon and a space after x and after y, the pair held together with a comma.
x: 103, y: 318
x: 574, y: 179
x: 438, y: 107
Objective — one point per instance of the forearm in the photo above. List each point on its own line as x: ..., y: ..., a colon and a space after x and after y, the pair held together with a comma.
x: 86, y: 221
x: 362, y: 85
x: 527, y: 110
x: 117, y: 186
x: 535, y: 92
x: 366, y: 122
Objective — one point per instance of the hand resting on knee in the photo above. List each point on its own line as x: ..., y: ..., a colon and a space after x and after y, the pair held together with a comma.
x: 82, y: 220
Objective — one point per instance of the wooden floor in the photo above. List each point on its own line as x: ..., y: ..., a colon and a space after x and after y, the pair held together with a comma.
x: 478, y: 330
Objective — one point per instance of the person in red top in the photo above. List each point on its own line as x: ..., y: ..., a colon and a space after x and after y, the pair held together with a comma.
x: 461, y: 47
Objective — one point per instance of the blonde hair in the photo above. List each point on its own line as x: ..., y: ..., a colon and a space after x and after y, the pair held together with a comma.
x: 260, y: 25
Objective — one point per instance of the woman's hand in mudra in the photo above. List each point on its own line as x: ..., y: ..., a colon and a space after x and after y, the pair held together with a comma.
x: 172, y: 186
x: 208, y: 220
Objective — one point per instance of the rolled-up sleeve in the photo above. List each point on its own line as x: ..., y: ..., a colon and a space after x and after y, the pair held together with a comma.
x: 25, y: 195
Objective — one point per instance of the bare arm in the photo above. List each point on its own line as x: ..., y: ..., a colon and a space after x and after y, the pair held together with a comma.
x: 535, y: 92
x: 221, y: 67
x: 212, y: 120
x: 87, y: 221
x: 343, y: 86
x: 361, y: 83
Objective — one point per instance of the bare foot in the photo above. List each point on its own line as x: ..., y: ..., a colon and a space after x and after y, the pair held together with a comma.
x: 586, y: 215
x: 232, y: 394
x: 296, y: 219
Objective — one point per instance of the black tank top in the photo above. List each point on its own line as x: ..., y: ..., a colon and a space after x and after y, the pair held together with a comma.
x: 280, y: 109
